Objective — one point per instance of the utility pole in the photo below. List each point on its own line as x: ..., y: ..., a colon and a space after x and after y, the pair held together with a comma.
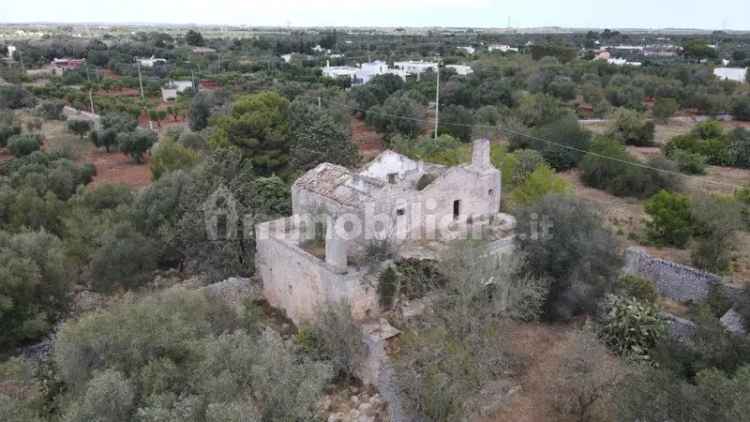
x: 91, y: 90
x: 437, y: 100
x: 140, y: 80
x: 143, y: 97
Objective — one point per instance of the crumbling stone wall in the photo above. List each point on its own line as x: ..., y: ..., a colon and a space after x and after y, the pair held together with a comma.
x: 301, y: 284
x: 675, y: 281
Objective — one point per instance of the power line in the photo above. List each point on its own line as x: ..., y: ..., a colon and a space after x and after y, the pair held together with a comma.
x: 547, y: 141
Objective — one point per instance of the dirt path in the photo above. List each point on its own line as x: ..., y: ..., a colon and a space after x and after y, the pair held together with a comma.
x: 542, y: 346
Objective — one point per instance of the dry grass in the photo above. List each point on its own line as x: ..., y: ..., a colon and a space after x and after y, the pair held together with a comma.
x: 544, y: 347
x: 623, y: 215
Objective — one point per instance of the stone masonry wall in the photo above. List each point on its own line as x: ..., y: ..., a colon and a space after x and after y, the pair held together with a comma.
x: 301, y: 284
x: 675, y: 281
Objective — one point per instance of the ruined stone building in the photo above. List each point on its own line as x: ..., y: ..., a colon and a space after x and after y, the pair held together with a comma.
x: 393, y: 200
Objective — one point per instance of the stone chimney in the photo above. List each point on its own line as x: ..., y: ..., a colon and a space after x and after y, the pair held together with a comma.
x: 480, y: 154
x: 336, y: 248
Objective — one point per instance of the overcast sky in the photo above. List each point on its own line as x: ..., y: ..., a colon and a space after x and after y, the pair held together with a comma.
x: 728, y: 14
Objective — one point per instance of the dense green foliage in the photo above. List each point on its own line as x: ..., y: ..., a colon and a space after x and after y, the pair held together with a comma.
x: 171, y: 156
x: 136, y: 143
x: 630, y: 327
x: 23, y: 145
x: 670, y: 220
x: 564, y: 241
x: 195, y: 357
x: 608, y: 166
x: 258, y: 126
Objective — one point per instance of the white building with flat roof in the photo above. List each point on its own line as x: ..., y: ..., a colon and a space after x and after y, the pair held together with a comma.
x: 503, y: 48
x: 151, y: 61
x: 461, y: 69
x: 467, y: 49
x: 362, y: 74
x: 736, y: 74
x: 412, y: 67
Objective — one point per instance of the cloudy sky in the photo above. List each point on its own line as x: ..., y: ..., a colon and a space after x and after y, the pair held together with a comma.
x: 729, y: 14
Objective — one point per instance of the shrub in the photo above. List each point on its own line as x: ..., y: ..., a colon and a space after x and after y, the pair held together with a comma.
x: 630, y: 327
x: 664, y: 108
x: 564, y: 241
x: 8, y: 127
x: 107, y: 197
x: 387, y: 287
x: 716, y: 221
x: 523, y: 163
x: 572, y: 138
x: 631, y: 128
x: 608, y: 166
x: 381, y: 117
x: 136, y: 143
x: 33, y: 285
x: 417, y: 277
x: 638, y: 288
x: 670, y: 219
x: 582, y: 385
x: 23, y: 145
x: 741, y: 108
x: 539, y: 109
x: 51, y: 110
x: 109, y: 397
x: 125, y: 258
x: 339, y: 339
x: 193, y: 141
x: 79, y: 127
x: 170, y: 156
x: 739, y: 148
x: 15, y: 97
x: 539, y: 183
x: 689, y: 162
x: 715, y: 150
x: 456, y: 121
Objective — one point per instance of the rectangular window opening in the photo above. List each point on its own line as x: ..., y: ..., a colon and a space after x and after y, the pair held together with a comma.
x: 456, y: 209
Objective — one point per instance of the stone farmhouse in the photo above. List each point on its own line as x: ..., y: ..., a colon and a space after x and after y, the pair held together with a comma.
x: 394, y: 201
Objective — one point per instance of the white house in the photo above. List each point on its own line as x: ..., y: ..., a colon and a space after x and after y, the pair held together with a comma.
x: 151, y: 61
x: 736, y: 74
x: 468, y: 49
x: 623, y: 62
x: 170, y: 91
x: 503, y: 48
x: 340, y: 71
x: 415, y: 67
x: 461, y: 69
x: 362, y: 74
x: 11, y: 50
x: 286, y: 57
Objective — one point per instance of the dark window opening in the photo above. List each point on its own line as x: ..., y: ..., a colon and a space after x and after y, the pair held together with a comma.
x: 491, y: 192
x: 222, y: 227
x: 392, y: 178
x: 400, y: 212
x: 456, y: 209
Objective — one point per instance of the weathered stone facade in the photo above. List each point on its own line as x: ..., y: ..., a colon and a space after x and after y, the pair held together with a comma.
x: 392, y: 199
